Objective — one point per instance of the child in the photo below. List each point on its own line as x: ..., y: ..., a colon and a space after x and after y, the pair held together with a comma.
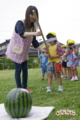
x: 43, y: 62
x: 72, y: 57
x: 54, y: 63
x: 64, y: 61
x: 69, y: 68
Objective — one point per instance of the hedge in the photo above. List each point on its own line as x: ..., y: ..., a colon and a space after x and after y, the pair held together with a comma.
x: 6, y: 63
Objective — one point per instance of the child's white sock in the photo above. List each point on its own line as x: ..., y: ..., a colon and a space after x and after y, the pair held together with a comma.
x: 60, y: 88
x: 49, y: 89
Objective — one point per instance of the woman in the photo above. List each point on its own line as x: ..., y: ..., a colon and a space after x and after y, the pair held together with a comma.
x: 24, y: 34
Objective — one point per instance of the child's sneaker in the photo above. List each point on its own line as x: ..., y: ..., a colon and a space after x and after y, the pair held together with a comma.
x: 62, y: 76
x: 49, y: 89
x: 76, y: 78
x: 60, y: 88
x: 72, y: 79
x: 65, y: 77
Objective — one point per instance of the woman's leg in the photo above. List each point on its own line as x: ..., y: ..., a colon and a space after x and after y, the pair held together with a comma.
x: 24, y: 74
x: 17, y: 74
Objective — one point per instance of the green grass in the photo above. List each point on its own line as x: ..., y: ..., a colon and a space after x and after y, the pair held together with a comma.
x: 68, y: 99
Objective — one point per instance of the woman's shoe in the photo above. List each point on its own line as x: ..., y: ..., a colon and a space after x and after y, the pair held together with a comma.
x: 29, y: 90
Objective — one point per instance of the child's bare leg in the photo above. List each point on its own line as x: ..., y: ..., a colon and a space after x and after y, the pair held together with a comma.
x: 69, y: 72
x: 59, y: 78
x: 47, y: 77
x: 42, y: 77
x: 60, y: 88
x: 50, y: 76
x: 75, y: 73
x: 54, y: 75
x: 65, y: 72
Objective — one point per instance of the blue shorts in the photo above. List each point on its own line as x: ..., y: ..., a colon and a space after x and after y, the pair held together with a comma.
x: 44, y: 70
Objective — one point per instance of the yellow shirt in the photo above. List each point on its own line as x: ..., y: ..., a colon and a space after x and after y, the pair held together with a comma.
x: 53, y: 52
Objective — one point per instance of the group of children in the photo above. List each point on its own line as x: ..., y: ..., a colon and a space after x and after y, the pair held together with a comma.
x: 59, y: 60
x: 70, y: 58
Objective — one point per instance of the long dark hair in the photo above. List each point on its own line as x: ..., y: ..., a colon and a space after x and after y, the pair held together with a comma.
x: 28, y: 12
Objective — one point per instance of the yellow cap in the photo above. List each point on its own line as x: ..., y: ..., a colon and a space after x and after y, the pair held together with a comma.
x: 63, y: 46
x: 44, y: 46
x: 70, y: 41
x: 52, y: 33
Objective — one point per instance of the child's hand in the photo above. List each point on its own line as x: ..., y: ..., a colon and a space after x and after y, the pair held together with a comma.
x: 72, y: 46
x: 50, y: 57
x: 43, y: 52
x: 46, y: 54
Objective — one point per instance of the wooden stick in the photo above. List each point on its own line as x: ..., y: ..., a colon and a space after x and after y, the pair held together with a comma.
x: 34, y: 13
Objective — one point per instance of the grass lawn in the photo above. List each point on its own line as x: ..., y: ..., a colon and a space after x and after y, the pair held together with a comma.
x: 68, y: 99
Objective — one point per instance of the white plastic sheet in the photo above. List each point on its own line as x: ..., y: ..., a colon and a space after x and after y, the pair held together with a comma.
x: 36, y: 113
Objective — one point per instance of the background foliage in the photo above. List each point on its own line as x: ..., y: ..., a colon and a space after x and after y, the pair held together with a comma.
x: 6, y: 63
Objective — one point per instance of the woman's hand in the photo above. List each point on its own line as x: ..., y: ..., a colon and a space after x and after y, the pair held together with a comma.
x: 38, y: 33
x: 27, y: 34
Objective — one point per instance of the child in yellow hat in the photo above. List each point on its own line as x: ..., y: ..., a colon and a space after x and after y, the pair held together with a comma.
x: 54, y: 61
x: 64, y: 61
x: 43, y: 62
x: 72, y: 57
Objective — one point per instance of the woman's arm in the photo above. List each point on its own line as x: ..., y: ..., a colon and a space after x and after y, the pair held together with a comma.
x: 36, y: 44
x: 20, y: 29
x: 27, y: 34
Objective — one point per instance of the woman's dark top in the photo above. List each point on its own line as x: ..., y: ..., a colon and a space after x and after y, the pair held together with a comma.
x: 20, y: 29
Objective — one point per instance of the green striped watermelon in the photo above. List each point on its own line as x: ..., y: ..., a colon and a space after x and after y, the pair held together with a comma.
x: 18, y: 103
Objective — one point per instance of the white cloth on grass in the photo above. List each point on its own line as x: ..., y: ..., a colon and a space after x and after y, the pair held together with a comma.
x: 36, y: 113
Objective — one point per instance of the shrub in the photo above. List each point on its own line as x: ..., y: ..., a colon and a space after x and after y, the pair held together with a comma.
x: 6, y: 63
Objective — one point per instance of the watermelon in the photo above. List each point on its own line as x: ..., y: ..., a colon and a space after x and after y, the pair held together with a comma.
x: 18, y: 103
